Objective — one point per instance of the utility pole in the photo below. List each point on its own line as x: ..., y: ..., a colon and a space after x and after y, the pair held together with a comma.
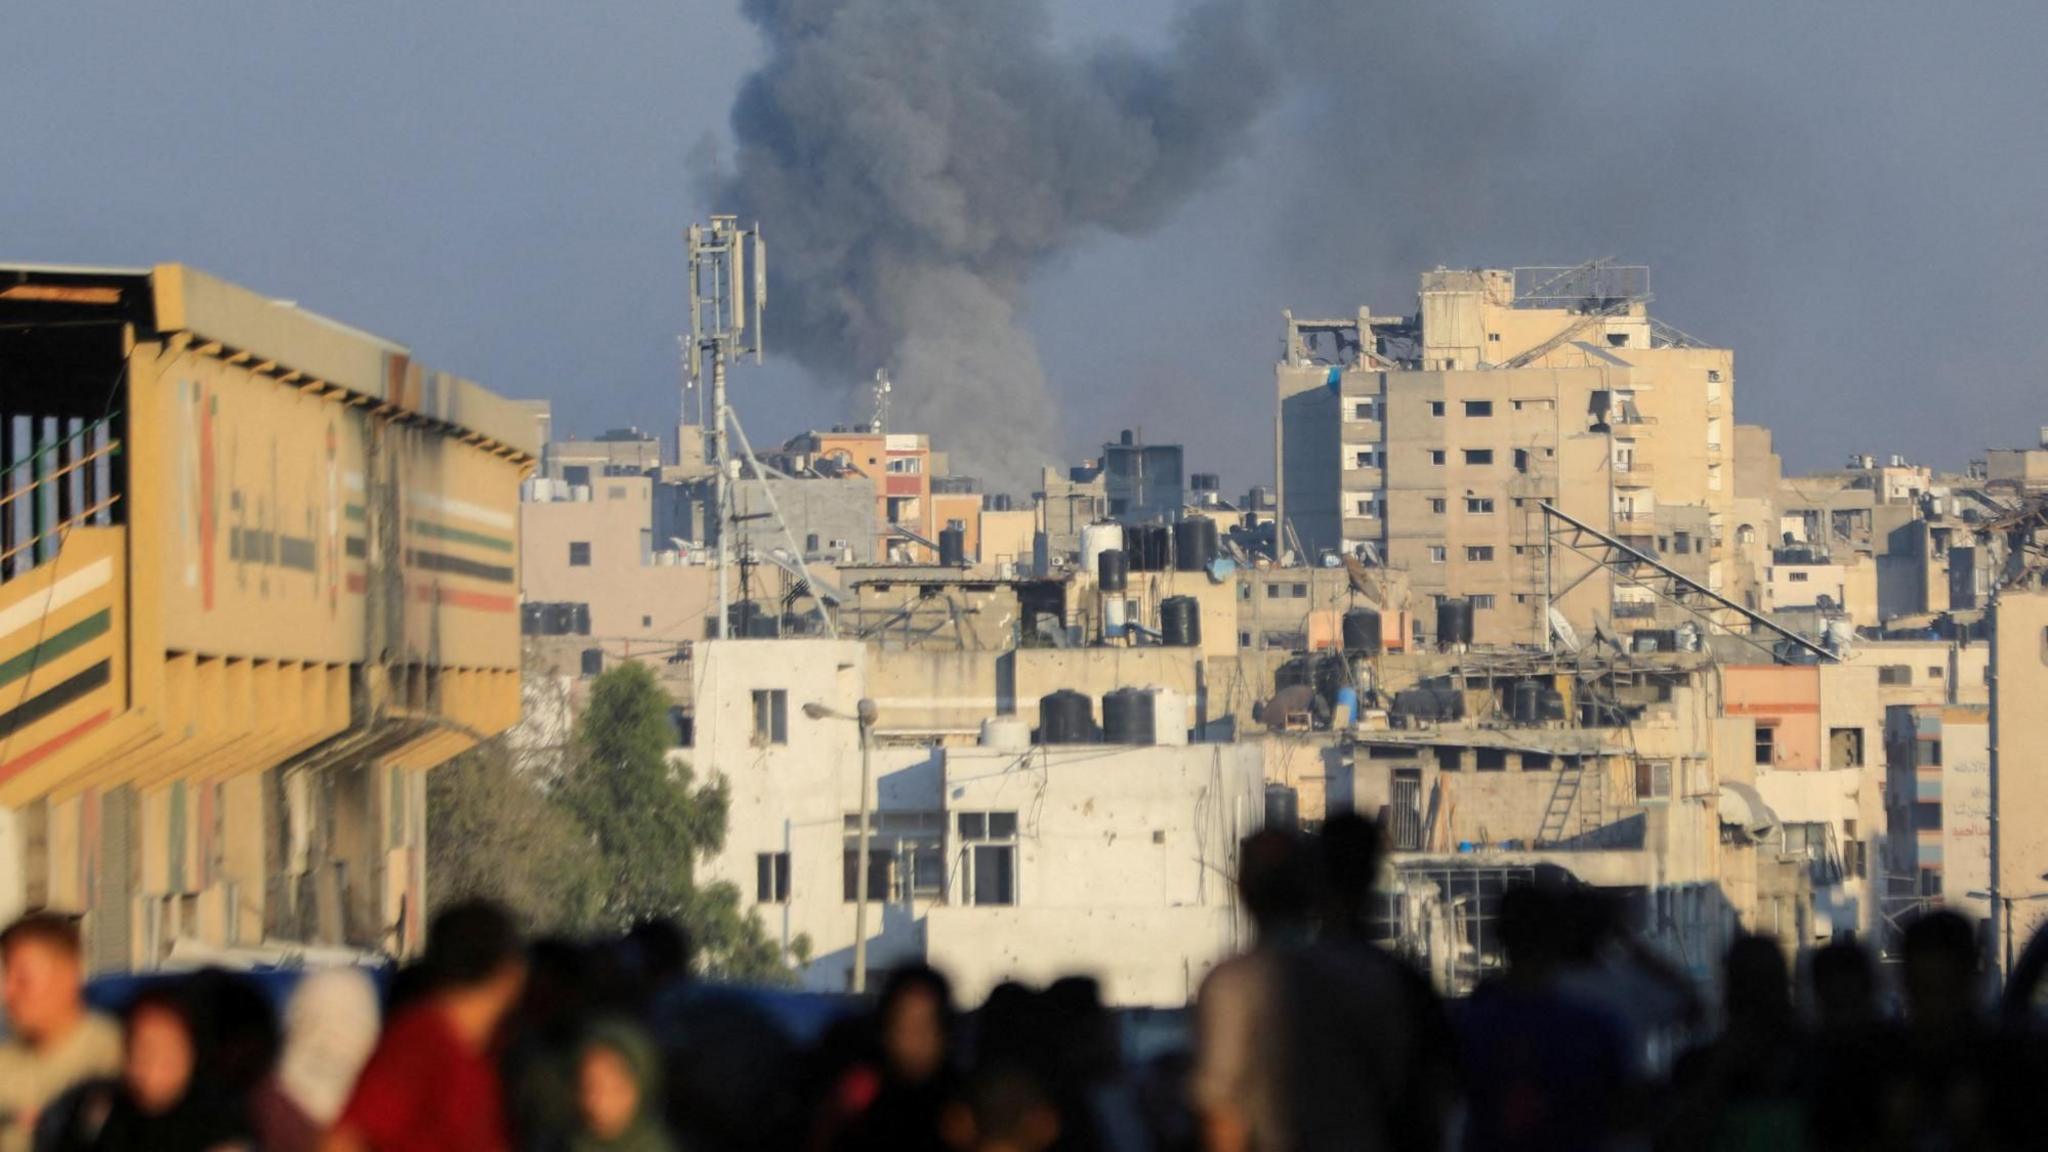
x: 722, y: 301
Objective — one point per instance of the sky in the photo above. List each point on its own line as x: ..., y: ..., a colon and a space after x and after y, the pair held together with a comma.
x: 1848, y: 194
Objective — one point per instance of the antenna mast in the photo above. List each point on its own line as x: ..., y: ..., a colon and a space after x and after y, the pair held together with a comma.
x: 723, y: 302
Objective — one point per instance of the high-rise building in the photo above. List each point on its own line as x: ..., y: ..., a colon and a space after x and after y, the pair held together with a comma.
x: 1431, y: 442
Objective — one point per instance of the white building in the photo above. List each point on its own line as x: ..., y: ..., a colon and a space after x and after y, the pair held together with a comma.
x: 1030, y: 862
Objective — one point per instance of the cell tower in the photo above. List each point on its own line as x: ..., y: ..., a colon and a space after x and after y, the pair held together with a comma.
x: 728, y: 290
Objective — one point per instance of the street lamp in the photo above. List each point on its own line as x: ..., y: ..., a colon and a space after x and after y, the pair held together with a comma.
x: 2008, y: 901
x: 864, y: 715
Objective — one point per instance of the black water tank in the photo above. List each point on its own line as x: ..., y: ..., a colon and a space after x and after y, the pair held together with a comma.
x: 1194, y: 544
x: 1127, y: 716
x: 1526, y: 702
x: 1134, y: 546
x: 1362, y: 632
x: 1066, y: 717
x: 952, y: 547
x: 1180, y: 621
x: 579, y: 618
x: 1553, y: 705
x: 1453, y: 621
x: 1283, y: 808
x: 1112, y: 570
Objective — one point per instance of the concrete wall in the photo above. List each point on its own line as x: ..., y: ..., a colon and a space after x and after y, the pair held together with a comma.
x: 631, y: 600
x: 1784, y: 697
x: 1164, y: 822
x: 2020, y: 729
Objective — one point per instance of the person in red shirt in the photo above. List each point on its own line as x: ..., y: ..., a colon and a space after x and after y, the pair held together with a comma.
x: 433, y: 1081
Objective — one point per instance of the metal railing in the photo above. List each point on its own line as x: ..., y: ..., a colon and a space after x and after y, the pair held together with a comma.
x: 60, y: 476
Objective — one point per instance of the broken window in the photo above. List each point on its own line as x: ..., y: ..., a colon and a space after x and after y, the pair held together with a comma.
x: 1845, y: 748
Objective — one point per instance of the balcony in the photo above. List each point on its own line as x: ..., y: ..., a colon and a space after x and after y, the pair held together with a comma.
x: 1633, y: 474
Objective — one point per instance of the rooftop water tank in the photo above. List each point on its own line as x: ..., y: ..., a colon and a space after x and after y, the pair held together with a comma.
x: 1127, y: 717
x: 1362, y: 632
x: 1066, y: 717
x: 1180, y: 621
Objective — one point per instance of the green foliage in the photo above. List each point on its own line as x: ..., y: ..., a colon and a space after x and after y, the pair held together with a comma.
x: 650, y: 822
x: 492, y: 832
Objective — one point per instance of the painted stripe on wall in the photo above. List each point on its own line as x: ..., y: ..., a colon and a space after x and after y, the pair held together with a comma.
x: 60, y: 592
x: 69, y: 640
x: 11, y: 768
x: 37, y: 707
x: 460, y: 536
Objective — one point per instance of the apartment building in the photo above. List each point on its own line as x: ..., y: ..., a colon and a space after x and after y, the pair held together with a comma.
x: 899, y: 466
x: 1429, y: 442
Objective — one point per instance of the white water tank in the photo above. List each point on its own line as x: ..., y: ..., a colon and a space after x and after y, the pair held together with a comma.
x: 1006, y: 734
x: 1170, y: 718
x: 1097, y: 538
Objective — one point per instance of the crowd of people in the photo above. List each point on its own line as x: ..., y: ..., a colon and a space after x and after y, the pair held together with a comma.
x: 1315, y: 1038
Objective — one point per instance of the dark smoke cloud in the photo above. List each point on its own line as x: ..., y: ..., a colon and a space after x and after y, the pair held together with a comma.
x: 914, y: 162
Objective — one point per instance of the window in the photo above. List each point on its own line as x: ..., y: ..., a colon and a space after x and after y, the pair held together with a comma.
x: 1272, y: 591
x: 1617, y: 339
x: 1479, y: 504
x: 1894, y: 674
x: 1478, y: 407
x: 1934, y: 672
x: 1491, y: 759
x: 1450, y: 759
x: 1482, y: 601
x: 1364, y: 410
x: 881, y: 864
x: 1713, y: 376
x: 1930, y: 753
x: 1298, y: 591
x: 1479, y: 553
x: 771, y: 878
x: 647, y: 621
x: 1370, y: 458
x: 1681, y: 543
x: 1798, y: 577
x: 1437, y: 505
x: 771, y: 716
x: 579, y: 553
x: 906, y: 465
x: 1369, y: 508
x: 1766, y: 744
x: 1845, y: 747
x: 1521, y: 459
x: 1437, y: 553
x: 991, y: 856
x: 1436, y: 407
x: 1478, y: 455
x: 1436, y: 456
x: 1653, y: 780
x: 1493, y: 337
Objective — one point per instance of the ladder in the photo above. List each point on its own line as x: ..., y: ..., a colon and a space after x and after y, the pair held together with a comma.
x: 1562, y: 797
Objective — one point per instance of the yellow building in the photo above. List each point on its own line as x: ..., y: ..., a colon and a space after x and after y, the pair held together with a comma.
x: 1430, y: 442
x: 256, y: 576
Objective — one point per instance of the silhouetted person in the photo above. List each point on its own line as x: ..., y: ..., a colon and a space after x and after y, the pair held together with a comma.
x: 915, y: 1082
x: 433, y: 1081
x: 1852, y: 1050
x: 545, y: 1038
x: 1746, y: 1089
x: 1949, y: 1065
x: 1544, y: 1070
x: 1300, y: 1046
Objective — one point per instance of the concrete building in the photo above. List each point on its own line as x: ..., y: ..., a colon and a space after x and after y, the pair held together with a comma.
x: 984, y: 859
x: 1428, y: 443
x: 268, y: 583
x: 1144, y: 482
x: 2019, y: 735
x: 898, y: 466
x: 1938, y: 808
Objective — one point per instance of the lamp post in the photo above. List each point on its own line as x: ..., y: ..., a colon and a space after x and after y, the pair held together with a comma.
x: 2005, y: 972
x: 864, y: 716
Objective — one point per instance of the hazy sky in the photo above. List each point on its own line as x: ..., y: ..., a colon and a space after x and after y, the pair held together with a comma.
x: 1849, y: 194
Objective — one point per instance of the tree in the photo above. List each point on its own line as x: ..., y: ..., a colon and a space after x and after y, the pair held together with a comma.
x: 650, y: 822
x: 493, y: 832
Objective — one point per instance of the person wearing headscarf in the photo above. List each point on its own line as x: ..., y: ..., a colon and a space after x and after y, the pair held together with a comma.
x: 330, y: 1029
x: 162, y: 1101
x: 618, y: 1087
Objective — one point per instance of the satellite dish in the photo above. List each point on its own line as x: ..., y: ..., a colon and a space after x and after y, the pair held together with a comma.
x: 1563, y: 630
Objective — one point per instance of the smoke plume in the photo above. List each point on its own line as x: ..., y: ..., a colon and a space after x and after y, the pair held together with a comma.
x: 914, y: 161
